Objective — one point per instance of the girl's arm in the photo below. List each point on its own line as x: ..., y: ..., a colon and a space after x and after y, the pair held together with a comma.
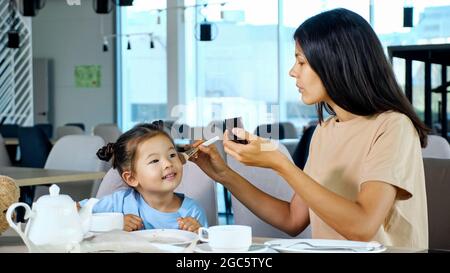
x: 132, y: 222
x: 188, y: 224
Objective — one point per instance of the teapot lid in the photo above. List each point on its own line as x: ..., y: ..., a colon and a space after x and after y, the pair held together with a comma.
x: 54, y: 198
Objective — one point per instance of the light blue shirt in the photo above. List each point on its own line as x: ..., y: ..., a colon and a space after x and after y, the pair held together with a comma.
x: 130, y: 201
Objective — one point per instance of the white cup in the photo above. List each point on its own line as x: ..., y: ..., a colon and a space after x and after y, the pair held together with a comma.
x: 227, y: 238
x: 106, y: 221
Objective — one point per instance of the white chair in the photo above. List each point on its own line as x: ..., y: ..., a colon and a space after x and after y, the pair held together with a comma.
x: 77, y: 153
x: 4, y: 157
x: 62, y: 131
x: 270, y: 182
x: 438, y: 147
x: 111, y: 182
x: 109, y: 132
x: 289, y: 130
x: 195, y: 184
x: 215, y: 128
x: 197, y: 133
x: 290, y: 144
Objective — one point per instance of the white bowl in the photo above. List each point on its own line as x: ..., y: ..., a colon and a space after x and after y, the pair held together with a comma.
x: 106, y: 221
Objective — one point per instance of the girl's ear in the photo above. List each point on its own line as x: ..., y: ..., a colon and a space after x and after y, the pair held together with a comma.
x: 129, y: 178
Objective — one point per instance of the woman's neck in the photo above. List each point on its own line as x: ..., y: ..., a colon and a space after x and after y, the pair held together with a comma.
x: 164, y: 202
x: 341, y: 114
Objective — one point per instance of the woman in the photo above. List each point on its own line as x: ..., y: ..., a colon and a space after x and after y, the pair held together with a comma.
x: 364, y: 178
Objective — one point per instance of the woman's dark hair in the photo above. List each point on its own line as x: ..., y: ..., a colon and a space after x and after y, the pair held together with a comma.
x: 123, y: 152
x: 342, y: 48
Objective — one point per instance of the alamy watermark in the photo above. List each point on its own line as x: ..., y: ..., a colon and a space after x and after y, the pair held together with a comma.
x: 268, y: 118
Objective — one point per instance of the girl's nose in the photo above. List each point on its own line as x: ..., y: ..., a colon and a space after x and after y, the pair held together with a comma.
x: 167, y: 163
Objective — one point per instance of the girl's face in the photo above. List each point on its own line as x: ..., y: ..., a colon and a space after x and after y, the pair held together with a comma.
x: 158, y: 169
x: 308, y: 82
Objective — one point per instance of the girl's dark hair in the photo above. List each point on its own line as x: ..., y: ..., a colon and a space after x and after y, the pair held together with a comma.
x: 342, y: 48
x: 123, y: 152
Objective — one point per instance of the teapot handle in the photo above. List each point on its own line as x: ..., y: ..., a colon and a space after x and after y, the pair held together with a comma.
x: 17, y: 227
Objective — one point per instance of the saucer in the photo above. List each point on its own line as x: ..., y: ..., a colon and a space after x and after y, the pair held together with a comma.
x: 255, y: 248
x: 174, y: 237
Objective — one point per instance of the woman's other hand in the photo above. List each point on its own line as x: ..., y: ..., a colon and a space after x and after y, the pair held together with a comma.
x: 259, y: 152
x: 188, y: 223
x: 132, y: 222
x: 210, y: 161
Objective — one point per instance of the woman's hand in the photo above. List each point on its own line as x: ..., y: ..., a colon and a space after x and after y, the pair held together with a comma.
x: 259, y: 152
x: 132, y: 222
x: 188, y: 223
x: 210, y: 161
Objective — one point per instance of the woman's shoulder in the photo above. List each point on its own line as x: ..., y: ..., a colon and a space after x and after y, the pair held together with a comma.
x: 391, y: 119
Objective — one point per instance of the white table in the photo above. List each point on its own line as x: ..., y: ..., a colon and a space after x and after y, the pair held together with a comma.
x: 13, y: 141
x: 36, y: 176
x: 11, y: 243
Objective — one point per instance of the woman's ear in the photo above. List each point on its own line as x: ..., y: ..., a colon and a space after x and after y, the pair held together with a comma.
x: 129, y: 178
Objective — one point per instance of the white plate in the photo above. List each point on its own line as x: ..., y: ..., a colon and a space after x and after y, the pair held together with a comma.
x: 174, y: 237
x: 205, y: 248
x: 322, y: 246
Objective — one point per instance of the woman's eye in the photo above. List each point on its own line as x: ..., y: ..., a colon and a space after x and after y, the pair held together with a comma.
x: 173, y: 155
x: 154, y: 161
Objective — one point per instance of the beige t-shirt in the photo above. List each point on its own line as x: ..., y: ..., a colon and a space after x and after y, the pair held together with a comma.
x: 383, y: 147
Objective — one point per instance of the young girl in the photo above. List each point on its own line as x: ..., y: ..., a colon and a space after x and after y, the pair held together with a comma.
x: 147, y: 161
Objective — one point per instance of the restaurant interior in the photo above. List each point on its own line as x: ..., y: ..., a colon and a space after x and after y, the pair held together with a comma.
x: 76, y: 74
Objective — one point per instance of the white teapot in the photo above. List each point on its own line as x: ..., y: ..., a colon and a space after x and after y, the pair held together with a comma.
x: 54, y: 223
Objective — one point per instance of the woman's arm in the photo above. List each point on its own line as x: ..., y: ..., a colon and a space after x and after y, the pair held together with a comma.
x: 355, y: 220
x: 291, y: 217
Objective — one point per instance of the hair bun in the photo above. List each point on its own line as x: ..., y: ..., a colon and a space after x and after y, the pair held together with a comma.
x: 106, y: 152
x: 159, y: 124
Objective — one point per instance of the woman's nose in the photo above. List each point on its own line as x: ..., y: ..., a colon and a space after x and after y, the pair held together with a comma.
x: 292, y: 73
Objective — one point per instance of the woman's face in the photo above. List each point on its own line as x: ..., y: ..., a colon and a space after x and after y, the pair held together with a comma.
x: 158, y: 169
x: 306, y: 79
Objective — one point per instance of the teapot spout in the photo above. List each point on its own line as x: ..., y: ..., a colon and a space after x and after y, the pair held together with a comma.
x: 86, y: 214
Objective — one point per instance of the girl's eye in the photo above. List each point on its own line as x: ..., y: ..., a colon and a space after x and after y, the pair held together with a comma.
x: 173, y: 155
x: 154, y: 161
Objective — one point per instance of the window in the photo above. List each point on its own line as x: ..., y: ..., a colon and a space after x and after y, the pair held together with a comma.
x: 235, y: 73
x: 294, y: 13
x: 143, y: 75
x: 431, y: 21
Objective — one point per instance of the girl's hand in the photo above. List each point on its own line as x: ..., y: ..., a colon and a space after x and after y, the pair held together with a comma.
x: 132, y: 222
x: 258, y: 152
x: 210, y: 161
x: 188, y: 223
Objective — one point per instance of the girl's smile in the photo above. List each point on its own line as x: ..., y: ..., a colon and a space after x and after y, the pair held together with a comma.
x: 171, y: 176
